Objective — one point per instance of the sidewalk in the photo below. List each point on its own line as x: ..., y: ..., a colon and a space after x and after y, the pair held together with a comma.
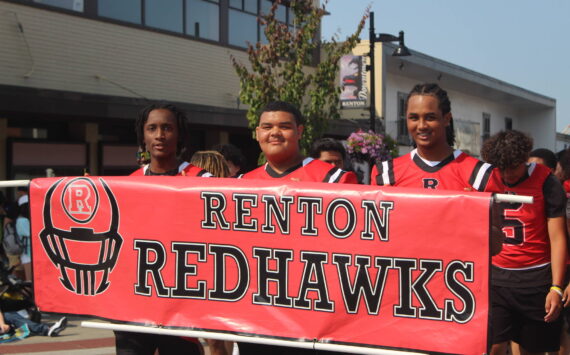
x: 73, y: 340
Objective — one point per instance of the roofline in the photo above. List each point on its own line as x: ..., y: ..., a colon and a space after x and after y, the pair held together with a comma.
x: 445, y: 67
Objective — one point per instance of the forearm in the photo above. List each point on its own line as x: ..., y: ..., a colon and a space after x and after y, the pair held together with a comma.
x: 557, y: 234
x: 558, y: 262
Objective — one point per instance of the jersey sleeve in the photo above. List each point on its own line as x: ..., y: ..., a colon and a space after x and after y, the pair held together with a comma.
x: 383, y: 173
x: 373, y: 175
x: 554, y: 197
x: 485, y: 177
x: 339, y: 176
x: 348, y: 177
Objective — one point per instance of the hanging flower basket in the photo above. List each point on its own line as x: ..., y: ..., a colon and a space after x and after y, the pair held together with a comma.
x: 367, y: 147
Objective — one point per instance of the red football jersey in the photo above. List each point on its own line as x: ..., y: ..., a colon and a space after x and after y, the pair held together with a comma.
x: 527, y: 243
x: 184, y: 169
x: 309, y: 170
x: 459, y: 171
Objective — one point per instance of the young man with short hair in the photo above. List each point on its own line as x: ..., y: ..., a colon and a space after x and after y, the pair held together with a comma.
x: 330, y: 151
x: 278, y: 133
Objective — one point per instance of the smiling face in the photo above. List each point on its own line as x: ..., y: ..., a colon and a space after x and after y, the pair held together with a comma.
x: 427, y: 125
x: 161, y: 135
x: 278, y: 135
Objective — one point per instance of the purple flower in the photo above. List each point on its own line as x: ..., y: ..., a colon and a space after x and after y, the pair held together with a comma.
x: 367, y: 145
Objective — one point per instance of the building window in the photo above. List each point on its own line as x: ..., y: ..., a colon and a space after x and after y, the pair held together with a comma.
x: 486, y: 126
x: 74, y: 5
x: 280, y: 13
x: 247, y: 5
x: 197, y: 18
x: 164, y: 14
x: 508, y: 123
x: 124, y: 10
x: 203, y: 19
x: 242, y: 28
x: 244, y: 23
x: 401, y: 123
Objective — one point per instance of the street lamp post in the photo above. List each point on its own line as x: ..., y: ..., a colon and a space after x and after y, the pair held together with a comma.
x: 401, y: 51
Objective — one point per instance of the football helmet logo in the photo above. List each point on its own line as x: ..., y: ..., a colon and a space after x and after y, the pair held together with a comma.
x: 80, y: 236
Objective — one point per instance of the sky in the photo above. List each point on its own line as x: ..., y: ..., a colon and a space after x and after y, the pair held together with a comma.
x: 522, y: 42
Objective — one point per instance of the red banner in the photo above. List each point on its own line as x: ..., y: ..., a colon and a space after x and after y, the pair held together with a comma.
x: 343, y: 264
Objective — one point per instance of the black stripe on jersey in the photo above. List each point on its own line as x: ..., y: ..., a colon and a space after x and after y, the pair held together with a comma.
x: 331, y: 173
x: 432, y: 169
x: 379, y: 180
x: 380, y: 168
x: 202, y: 172
x: 485, y: 178
x: 275, y: 174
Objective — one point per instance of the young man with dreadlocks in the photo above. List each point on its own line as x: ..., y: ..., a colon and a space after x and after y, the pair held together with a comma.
x: 527, y: 276
x: 162, y: 134
x: 433, y: 164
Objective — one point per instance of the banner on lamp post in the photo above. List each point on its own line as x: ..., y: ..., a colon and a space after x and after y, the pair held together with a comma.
x: 353, y: 82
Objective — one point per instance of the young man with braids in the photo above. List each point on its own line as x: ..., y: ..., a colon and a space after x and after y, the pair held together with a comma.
x: 278, y: 133
x: 527, y: 276
x: 433, y: 164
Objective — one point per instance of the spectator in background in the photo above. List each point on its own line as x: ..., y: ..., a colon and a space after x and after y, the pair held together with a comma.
x: 234, y: 158
x: 24, y: 232
x: 562, y: 172
x: 545, y: 157
x: 10, y: 320
x: 330, y: 151
x: 3, y: 256
x: 214, y: 162
x: 12, y: 211
x: 211, y: 161
x: 22, y: 195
